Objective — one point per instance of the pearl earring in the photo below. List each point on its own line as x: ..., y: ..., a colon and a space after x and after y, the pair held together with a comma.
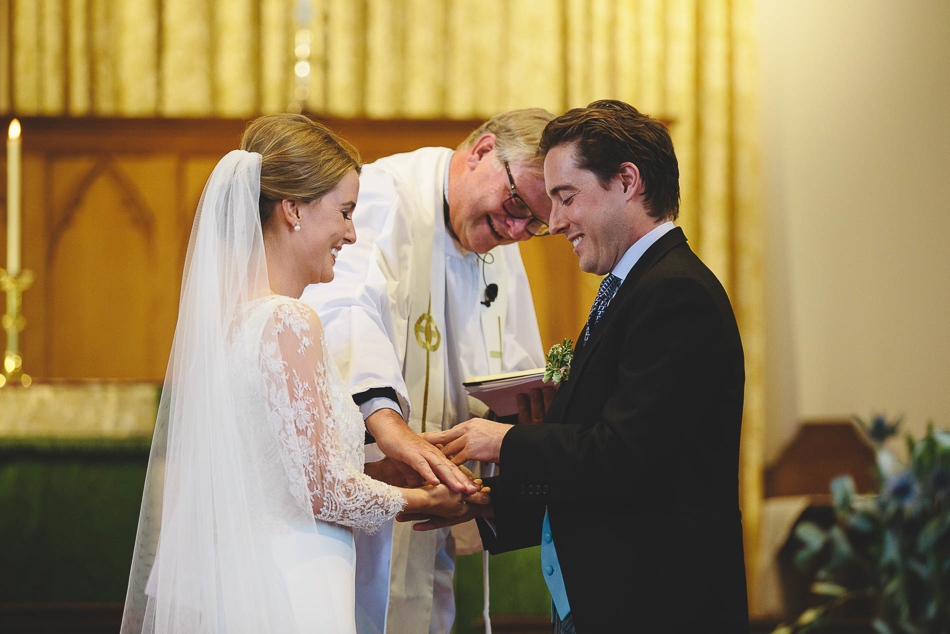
x: 297, y: 226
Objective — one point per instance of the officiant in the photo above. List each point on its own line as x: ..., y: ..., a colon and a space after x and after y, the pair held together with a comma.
x: 433, y: 292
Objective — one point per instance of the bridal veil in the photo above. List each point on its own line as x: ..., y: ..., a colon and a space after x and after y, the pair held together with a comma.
x: 202, y: 559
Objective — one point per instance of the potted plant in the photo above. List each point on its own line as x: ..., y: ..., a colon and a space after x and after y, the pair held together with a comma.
x: 890, y: 549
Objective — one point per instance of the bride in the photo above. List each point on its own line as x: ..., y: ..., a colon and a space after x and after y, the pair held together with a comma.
x: 255, y: 479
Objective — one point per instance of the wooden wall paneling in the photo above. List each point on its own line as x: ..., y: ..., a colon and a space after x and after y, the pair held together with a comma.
x: 66, y: 181
x: 101, y: 269
x: 183, y: 216
x: 108, y: 208
x: 156, y: 176
x: 35, y: 206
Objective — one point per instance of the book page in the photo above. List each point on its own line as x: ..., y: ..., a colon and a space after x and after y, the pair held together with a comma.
x: 500, y: 391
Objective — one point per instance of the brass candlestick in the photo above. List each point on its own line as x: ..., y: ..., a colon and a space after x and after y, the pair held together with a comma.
x: 13, y: 323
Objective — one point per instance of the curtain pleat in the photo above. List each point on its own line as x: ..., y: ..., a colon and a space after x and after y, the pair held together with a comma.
x: 690, y: 62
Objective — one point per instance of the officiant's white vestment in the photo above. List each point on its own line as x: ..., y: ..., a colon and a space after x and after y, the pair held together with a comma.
x: 405, y: 311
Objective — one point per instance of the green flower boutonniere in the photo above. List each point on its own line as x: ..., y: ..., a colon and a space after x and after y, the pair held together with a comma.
x: 559, y: 362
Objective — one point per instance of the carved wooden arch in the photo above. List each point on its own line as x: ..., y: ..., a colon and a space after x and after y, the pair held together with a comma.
x: 141, y: 214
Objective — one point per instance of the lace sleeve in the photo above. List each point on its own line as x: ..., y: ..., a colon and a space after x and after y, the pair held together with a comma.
x: 319, y: 428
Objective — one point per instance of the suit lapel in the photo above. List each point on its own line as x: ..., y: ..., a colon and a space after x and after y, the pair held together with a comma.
x: 582, y: 353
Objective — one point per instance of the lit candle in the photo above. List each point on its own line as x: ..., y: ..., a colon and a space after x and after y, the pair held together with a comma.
x: 13, y: 199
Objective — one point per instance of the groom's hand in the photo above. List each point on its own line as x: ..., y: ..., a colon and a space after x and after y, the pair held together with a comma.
x: 415, y: 457
x: 477, y: 439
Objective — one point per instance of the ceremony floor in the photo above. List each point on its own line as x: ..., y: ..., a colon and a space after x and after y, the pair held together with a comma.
x: 105, y: 619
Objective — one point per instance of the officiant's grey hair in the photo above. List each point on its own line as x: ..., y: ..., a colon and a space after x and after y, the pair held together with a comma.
x: 302, y: 159
x: 517, y: 134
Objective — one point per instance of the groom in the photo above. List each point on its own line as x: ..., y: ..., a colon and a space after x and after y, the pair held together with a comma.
x: 630, y: 485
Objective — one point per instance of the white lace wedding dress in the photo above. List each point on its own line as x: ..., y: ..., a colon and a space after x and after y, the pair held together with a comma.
x: 297, y: 415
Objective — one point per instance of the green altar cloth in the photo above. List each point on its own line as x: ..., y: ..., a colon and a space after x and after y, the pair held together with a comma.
x: 68, y: 515
x: 516, y: 587
x: 73, y: 457
x: 69, y: 511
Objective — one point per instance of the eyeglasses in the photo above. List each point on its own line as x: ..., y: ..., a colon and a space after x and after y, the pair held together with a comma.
x: 516, y: 207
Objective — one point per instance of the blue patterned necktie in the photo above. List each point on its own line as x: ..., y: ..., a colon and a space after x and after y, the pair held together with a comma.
x: 607, y: 290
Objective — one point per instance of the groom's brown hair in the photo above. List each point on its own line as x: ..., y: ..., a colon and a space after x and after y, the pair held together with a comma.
x: 610, y: 132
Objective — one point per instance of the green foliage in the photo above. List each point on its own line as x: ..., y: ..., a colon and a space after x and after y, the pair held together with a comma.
x: 892, y: 547
x: 559, y: 359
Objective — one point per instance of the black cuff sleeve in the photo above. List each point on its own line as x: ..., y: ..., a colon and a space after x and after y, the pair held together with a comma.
x: 511, y: 419
x: 376, y: 392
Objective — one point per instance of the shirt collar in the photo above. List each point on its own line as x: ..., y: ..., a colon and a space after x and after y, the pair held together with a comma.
x: 458, y: 251
x: 636, y: 251
x: 445, y: 182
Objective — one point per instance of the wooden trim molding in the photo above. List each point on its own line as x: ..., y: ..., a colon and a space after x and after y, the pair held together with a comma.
x: 373, y: 137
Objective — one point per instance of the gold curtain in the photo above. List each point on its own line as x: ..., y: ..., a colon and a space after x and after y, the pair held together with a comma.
x: 689, y: 61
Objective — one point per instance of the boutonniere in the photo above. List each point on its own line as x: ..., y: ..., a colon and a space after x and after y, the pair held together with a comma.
x: 559, y: 359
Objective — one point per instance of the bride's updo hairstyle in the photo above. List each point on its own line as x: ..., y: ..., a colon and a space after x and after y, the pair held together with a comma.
x: 302, y: 159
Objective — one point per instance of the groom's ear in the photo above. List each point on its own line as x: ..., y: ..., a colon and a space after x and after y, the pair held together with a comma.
x: 630, y: 181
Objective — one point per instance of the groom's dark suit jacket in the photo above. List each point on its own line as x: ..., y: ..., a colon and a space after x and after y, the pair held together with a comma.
x: 637, y: 459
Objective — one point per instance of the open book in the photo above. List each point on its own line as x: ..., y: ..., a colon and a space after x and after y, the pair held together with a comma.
x: 499, y: 391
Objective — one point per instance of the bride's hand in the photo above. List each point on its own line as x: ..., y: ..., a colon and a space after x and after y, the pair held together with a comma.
x: 477, y: 505
x: 445, y: 507
x: 434, y: 500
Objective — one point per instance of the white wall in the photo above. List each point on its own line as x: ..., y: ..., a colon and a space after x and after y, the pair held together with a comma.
x: 856, y: 195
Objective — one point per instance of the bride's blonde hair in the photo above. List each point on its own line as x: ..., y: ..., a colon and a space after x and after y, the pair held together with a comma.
x: 301, y: 159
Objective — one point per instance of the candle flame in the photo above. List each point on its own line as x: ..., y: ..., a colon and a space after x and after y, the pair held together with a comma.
x: 14, y: 129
